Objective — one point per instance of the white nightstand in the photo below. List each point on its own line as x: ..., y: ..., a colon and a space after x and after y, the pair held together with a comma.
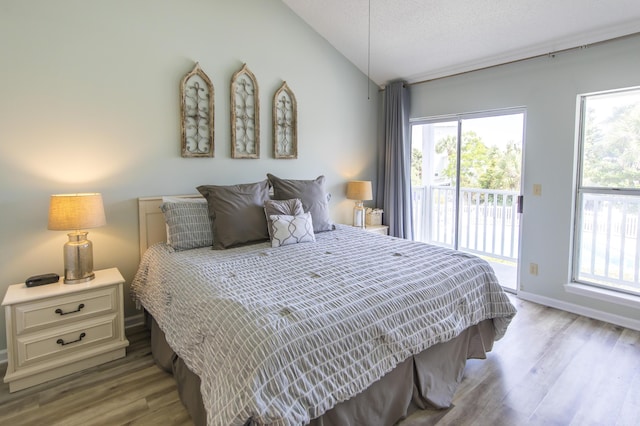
x: 58, y: 329
x: 377, y: 229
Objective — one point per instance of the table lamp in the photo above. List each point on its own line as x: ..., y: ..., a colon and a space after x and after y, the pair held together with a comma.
x: 359, y: 190
x: 76, y: 212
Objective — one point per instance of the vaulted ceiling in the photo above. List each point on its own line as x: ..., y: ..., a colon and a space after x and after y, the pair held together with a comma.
x: 417, y: 40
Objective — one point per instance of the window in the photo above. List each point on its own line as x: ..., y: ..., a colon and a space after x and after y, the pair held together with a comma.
x: 607, y: 228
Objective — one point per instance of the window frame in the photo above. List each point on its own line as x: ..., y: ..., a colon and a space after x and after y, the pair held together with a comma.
x: 581, y: 190
x: 458, y: 118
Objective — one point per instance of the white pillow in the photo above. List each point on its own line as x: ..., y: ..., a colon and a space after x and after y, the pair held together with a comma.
x: 287, y: 230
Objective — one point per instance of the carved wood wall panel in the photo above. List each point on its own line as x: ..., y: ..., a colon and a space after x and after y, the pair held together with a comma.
x: 197, y: 113
x: 285, y: 123
x: 245, y: 115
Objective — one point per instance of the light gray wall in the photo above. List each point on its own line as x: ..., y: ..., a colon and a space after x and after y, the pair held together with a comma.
x: 548, y: 88
x: 89, y: 101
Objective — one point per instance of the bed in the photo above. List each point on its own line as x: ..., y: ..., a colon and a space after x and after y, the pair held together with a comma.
x: 351, y: 328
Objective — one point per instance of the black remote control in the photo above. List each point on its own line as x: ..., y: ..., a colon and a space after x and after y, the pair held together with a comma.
x: 43, y: 279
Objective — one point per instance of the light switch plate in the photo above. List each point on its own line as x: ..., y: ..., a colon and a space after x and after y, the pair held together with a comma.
x: 537, y: 189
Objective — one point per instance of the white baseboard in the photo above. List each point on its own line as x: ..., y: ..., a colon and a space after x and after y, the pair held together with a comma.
x: 129, y: 322
x: 581, y: 310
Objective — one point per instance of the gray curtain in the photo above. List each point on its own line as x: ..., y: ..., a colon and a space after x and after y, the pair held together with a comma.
x: 393, y: 189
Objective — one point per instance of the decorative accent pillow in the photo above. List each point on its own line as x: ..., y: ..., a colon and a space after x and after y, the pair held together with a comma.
x: 188, y: 223
x: 292, y: 207
x: 291, y: 229
x: 237, y: 212
x: 311, y: 193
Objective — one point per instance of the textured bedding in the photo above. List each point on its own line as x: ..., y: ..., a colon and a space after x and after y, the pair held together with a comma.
x: 281, y: 335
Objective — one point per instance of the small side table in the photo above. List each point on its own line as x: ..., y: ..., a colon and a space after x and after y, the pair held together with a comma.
x: 58, y: 329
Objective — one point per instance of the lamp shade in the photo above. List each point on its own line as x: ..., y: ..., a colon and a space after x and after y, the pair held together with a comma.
x: 359, y: 190
x: 76, y: 211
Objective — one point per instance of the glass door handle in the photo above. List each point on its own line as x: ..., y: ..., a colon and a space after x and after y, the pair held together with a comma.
x: 520, y: 203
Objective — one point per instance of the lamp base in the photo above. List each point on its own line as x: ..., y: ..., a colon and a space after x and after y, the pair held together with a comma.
x: 359, y: 215
x: 78, y: 258
x: 79, y: 280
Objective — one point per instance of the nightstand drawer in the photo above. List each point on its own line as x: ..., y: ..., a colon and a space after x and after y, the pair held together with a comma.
x: 60, y: 310
x: 37, y: 347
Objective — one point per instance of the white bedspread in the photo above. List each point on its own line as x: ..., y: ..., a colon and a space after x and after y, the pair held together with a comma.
x: 281, y: 335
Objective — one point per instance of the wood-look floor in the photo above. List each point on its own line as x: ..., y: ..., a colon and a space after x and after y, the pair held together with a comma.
x: 552, y: 368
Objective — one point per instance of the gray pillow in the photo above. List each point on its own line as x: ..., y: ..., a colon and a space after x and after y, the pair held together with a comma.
x: 237, y: 212
x: 188, y: 224
x: 311, y: 193
x: 292, y: 207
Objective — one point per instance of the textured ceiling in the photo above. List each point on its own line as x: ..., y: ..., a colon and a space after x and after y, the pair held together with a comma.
x: 417, y: 40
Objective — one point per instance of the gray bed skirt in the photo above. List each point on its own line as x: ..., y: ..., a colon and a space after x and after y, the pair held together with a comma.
x: 426, y: 380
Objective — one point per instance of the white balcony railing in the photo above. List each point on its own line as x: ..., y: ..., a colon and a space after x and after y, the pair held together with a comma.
x: 489, y: 222
x: 609, y: 252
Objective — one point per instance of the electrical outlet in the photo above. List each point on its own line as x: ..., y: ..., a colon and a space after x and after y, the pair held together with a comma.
x: 533, y: 268
x: 537, y: 189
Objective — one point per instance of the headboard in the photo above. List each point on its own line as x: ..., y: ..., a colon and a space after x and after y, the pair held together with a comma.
x: 151, y: 221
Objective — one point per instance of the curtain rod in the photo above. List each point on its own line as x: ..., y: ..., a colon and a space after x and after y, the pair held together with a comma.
x: 542, y: 55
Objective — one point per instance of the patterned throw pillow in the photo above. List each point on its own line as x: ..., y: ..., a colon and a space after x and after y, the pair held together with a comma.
x: 188, y: 224
x: 291, y: 229
x: 291, y: 207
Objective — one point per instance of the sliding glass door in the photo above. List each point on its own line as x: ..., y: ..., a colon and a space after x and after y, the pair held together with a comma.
x: 466, y: 185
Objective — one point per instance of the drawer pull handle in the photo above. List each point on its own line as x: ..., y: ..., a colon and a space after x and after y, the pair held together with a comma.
x: 80, y: 306
x: 63, y: 343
